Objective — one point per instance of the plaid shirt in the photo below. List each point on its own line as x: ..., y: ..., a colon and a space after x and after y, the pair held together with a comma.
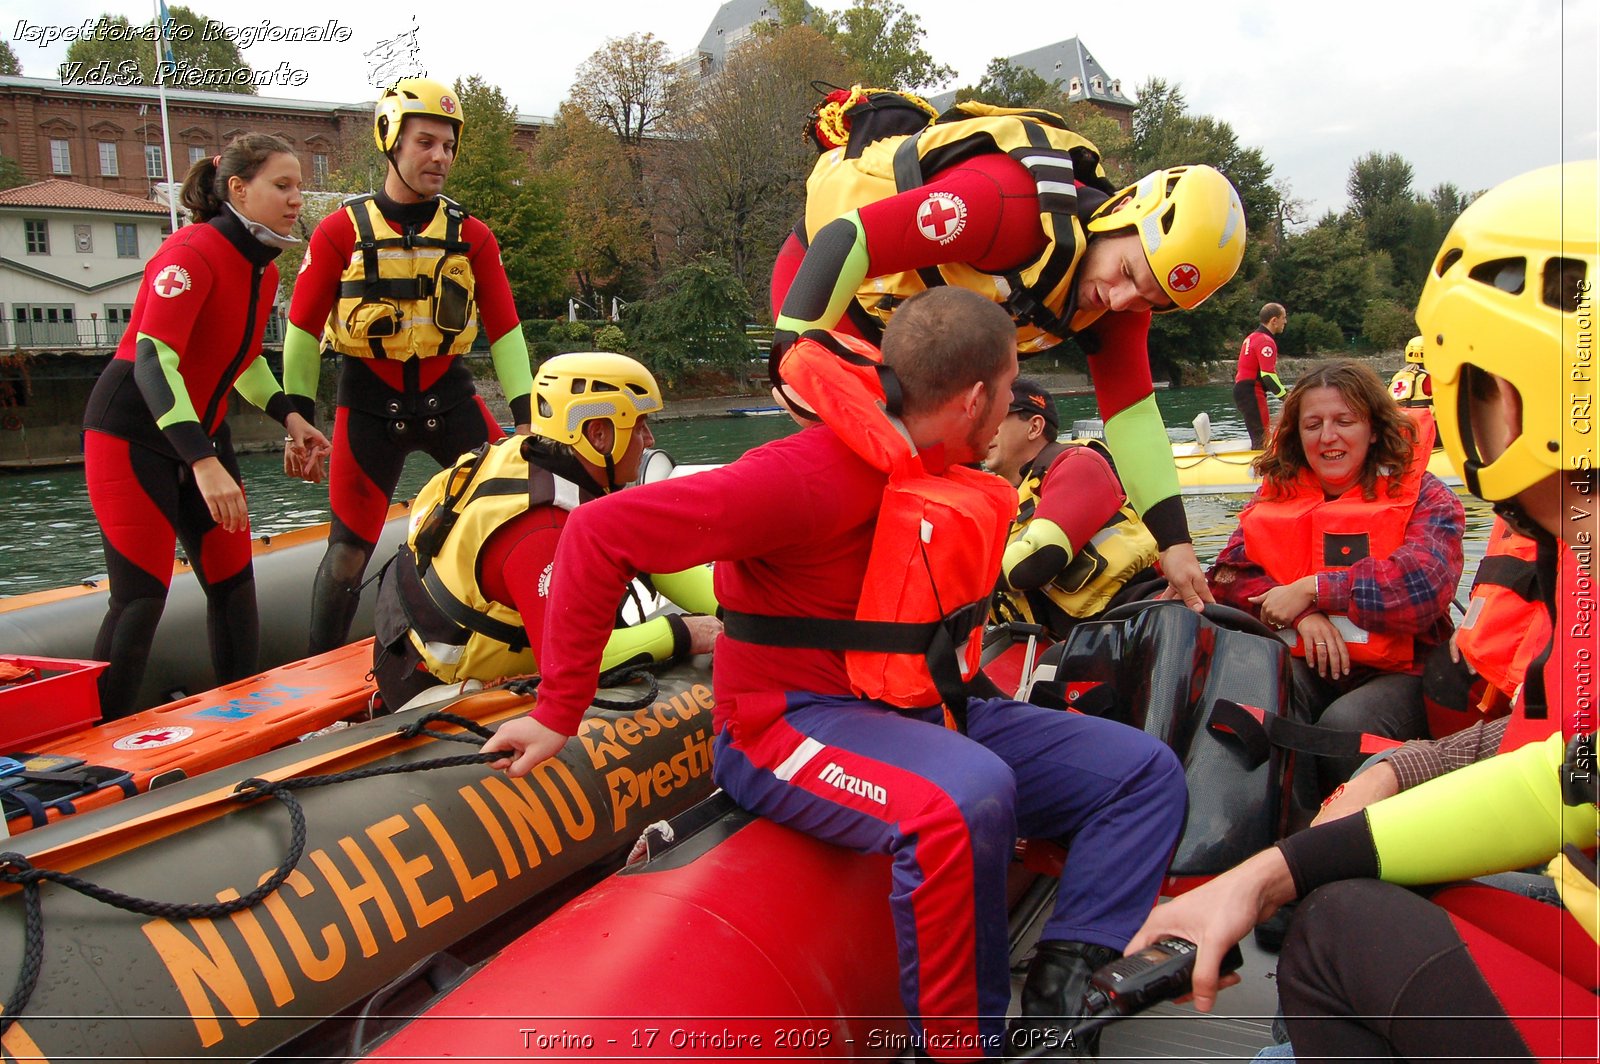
x: 1409, y: 592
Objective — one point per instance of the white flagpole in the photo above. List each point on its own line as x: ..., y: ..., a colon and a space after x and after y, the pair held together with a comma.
x: 166, y: 135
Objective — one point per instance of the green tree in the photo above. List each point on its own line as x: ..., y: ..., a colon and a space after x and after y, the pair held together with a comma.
x: 1328, y: 270
x: 1397, y: 222
x: 189, y: 50
x: 1387, y: 325
x: 9, y: 64
x: 734, y: 166
x: 628, y: 87
x: 884, y: 43
x: 695, y: 316
x: 607, y: 230
x: 494, y: 181
x: 1005, y: 84
x: 10, y: 172
x: 1166, y: 134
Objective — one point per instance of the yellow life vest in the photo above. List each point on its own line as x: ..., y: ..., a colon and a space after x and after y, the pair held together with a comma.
x: 405, y: 296
x: 1114, y: 555
x: 458, y: 630
x: 1037, y: 293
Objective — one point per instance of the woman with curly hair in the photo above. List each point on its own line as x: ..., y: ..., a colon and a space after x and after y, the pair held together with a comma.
x: 1352, y: 550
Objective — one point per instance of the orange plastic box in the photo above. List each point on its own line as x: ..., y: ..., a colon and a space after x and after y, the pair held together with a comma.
x: 63, y: 699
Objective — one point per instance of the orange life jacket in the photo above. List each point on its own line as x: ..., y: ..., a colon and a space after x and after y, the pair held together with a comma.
x: 1558, y: 693
x: 917, y: 636
x: 1506, y: 625
x: 1301, y: 533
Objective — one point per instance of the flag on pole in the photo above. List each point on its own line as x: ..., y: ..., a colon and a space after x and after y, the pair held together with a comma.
x: 166, y: 33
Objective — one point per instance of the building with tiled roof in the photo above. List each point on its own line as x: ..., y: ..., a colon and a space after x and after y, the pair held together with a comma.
x: 1080, y: 76
x: 70, y: 261
x: 69, y: 195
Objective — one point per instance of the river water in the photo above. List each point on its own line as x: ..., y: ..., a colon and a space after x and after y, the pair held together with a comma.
x: 48, y: 535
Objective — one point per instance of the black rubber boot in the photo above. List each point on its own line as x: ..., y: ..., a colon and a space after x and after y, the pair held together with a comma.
x: 1052, y: 1001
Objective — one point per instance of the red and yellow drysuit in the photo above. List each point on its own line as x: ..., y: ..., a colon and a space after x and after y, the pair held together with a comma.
x: 960, y: 206
x: 401, y: 290
x: 159, y: 407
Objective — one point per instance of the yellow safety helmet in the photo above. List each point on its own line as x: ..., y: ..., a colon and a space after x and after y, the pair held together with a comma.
x: 414, y: 96
x: 1191, y: 224
x: 1414, y: 350
x: 1511, y: 292
x: 570, y: 390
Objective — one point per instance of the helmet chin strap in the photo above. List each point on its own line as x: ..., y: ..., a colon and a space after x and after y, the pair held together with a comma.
x: 1511, y: 512
x: 394, y: 165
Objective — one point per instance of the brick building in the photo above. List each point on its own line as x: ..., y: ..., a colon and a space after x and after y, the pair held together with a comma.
x: 109, y: 136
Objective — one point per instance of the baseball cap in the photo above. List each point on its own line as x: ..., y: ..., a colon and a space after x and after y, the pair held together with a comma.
x: 1029, y: 397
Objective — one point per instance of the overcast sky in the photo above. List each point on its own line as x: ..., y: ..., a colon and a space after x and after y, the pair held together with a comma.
x: 1469, y: 92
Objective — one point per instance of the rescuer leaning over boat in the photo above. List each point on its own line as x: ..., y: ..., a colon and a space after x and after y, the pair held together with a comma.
x: 464, y: 599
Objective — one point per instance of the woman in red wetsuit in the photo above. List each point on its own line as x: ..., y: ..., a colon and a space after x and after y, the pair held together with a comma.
x: 157, y: 452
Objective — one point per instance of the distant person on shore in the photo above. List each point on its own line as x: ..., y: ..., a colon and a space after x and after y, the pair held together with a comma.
x: 400, y: 282
x: 463, y: 602
x: 1014, y: 206
x: 1411, y: 385
x: 1258, y: 371
x: 1076, y: 545
x: 158, y: 454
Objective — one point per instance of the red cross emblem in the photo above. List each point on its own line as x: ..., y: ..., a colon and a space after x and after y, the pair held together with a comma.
x: 447, y: 105
x: 1183, y: 277
x: 170, y: 282
x: 153, y: 738
x: 1399, y: 388
x: 941, y: 217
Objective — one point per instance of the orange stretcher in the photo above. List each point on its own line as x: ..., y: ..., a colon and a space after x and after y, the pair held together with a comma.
x: 107, y: 762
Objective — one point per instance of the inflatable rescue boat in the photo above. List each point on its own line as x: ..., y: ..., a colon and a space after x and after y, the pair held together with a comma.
x: 739, y: 939
x: 409, y: 870
x: 62, y: 622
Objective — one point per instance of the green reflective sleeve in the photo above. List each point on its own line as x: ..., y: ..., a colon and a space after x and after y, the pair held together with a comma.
x: 639, y: 644
x: 302, y: 362
x: 833, y: 257
x: 181, y: 409
x: 1143, y: 454
x: 1278, y: 390
x: 511, y: 365
x: 689, y: 589
x: 257, y: 384
x: 1496, y: 815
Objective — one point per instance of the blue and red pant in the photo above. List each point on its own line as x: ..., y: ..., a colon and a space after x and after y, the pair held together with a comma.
x: 949, y: 808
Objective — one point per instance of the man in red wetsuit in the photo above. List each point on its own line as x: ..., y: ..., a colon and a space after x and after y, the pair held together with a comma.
x: 463, y: 602
x: 1258, y: 371
x: 1016, y: 207
x: 791, y: 528
x: 1077, y: 549
x: 400, y: 303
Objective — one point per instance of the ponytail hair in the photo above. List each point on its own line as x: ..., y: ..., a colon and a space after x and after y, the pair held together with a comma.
x: 205, y: 189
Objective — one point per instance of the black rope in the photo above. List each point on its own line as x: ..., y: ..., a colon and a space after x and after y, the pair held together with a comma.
x: 18, y: 870
x: 621, y: 676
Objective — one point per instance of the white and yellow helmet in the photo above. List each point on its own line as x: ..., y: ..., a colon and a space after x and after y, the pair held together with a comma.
x: 571, y: 390
x: 1191, y: 225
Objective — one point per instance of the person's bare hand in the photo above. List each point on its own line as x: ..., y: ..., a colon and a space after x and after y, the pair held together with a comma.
x: 528, y: 743
x: 1324, y: 646
x: 1186, y: 577
x: 703, y: 632
x: 223, y: 495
